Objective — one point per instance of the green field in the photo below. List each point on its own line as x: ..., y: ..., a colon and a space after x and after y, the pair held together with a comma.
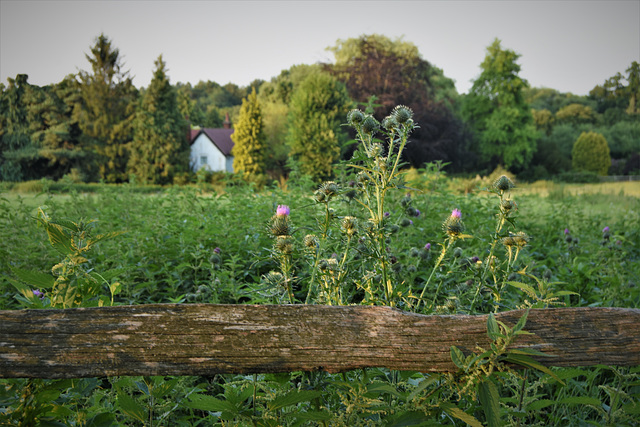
x: 190, y: 245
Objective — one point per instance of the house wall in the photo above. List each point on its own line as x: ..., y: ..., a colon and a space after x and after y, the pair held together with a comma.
x: 216, y: 161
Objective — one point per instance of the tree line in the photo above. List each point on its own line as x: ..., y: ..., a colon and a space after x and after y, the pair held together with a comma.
x: 97, y: 126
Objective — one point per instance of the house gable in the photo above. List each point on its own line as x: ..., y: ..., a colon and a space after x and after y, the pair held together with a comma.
x: 211, y: 148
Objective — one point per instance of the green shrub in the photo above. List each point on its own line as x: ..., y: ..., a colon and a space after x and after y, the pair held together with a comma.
x: 591, y: 153
x: 580, y: 177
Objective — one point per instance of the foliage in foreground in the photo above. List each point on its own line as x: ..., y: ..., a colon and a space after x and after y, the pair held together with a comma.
x: 364, y: 239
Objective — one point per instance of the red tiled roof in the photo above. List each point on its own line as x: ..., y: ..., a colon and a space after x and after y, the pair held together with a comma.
x: 220, y: 137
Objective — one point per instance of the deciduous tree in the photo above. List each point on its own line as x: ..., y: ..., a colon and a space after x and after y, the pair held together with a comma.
x: 318, y: 108
x: 395, y: 73
x: 591, y: 153
x: 497, y: 111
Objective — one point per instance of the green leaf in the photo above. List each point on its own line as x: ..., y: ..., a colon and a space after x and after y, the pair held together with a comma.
x: 381, y: 388
x: 60, y: 240
x: 204, y: 402
x: 310, y: 415
x: 103, y: 419
x: 530, y: 351
x: 521, y: 322
x: 423, y: 384
x: 529, y: 290
x: 493, y: 330
x: 458, y: 413
x: 292, y: 398
x: 410, y: 418
x: 581, y: 400
x: 35, y: 279
x: 131, y: 408
x: 490, y: 400
x: 457, y: 357
x: 527, y: 362
x: 540, y: 404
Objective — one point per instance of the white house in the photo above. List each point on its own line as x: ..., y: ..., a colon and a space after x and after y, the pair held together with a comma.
x: 211, y: 149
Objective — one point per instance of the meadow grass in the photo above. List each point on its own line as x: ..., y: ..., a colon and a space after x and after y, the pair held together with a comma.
x: 168, y: 254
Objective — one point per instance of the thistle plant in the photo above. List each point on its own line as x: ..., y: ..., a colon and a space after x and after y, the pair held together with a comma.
x: 378, y: 173
x: 513, y: 242
x: 453, y: 228
x: 283, y: 249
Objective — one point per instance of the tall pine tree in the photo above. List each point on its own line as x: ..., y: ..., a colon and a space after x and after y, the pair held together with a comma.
x: 106, y: 111
x: 160, y: 147
x: 249, y: 141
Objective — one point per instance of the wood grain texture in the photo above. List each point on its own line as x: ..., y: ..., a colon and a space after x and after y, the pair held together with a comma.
x: 205, y: 339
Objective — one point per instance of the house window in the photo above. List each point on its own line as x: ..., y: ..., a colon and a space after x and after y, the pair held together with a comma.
x: 203, y: 160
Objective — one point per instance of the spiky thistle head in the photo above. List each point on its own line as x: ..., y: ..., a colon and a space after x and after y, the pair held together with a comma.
x: 453, y: 225
x: 402, y: 114
x: 355, y: 117
x: 370, y: 125
x: 349, y: 225
x: 503, y: 184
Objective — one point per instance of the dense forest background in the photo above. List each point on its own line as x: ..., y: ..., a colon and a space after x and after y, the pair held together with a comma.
x: 95, y: 125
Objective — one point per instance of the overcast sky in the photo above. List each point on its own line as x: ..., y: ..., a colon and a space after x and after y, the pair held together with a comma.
x: 570, y: 46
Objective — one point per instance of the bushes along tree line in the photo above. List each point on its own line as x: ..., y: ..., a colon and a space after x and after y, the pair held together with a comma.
x: 95, y: 125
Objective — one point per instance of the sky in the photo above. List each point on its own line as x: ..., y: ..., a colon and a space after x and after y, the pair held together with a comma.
x: 570, y: 46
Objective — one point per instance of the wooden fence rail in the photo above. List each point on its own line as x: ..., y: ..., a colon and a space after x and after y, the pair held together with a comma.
x: 204, y: 339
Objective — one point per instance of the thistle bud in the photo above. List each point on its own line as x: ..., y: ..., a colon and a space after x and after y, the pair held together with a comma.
x: 402, y: 114
x: 503, y: 183
x: 283, y: 244
x: 311, y: 241
x: 349, y: 225
x: 355, y: 117
x: 370, y: 125
x: 390, y: 123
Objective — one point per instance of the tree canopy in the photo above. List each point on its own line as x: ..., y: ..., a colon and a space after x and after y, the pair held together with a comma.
x: 496, y: 110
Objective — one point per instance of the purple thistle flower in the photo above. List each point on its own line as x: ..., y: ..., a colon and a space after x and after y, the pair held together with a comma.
x: 386, y: 214
x: 606, y: 229
x: 417, y: 212
x: 427, y: 247
x: 283, y: 210
x: 475, y: 259
x: 566, y: 231
x: 37, y: 293
x: 456, y: 213
x: 410, y: 222
x: 217, y: 250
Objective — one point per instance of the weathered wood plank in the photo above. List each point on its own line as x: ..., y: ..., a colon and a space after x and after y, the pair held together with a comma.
x: 204, y: 339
